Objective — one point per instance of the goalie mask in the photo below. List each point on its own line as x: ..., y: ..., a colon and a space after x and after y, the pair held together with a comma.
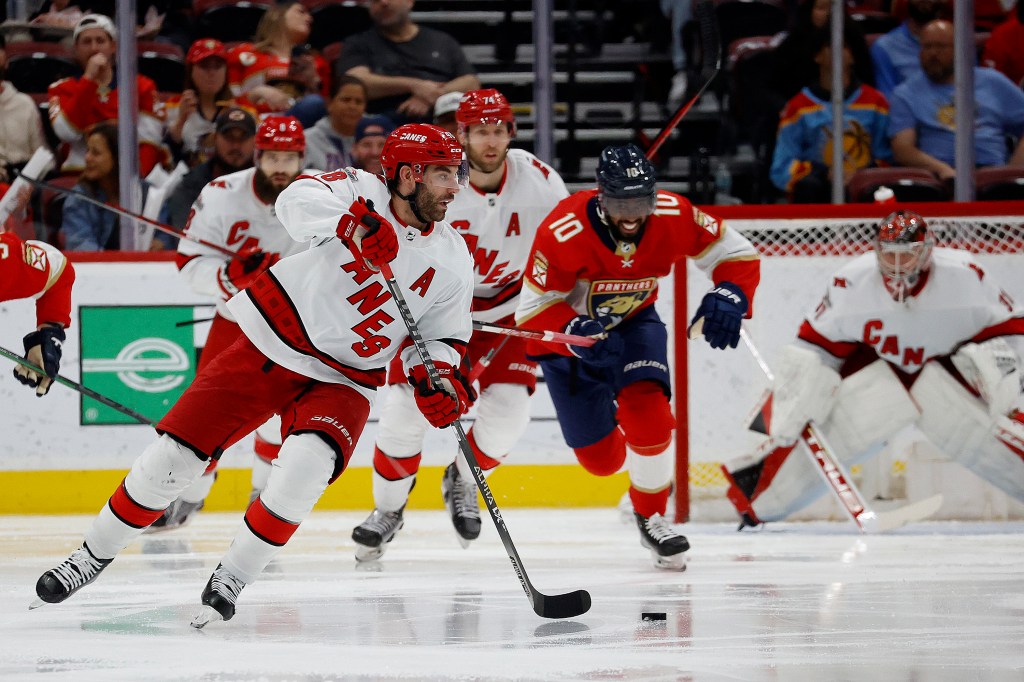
x: 903, y: 247
x: 626, y: 189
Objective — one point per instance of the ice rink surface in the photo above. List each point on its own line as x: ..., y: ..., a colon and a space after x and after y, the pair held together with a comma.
x: 935, y: 601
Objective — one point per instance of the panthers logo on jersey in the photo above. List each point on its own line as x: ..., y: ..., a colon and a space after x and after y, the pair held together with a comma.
x: 612, y: 301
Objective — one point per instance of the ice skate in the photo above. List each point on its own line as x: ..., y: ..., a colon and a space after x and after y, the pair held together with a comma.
x: 71, y: 575
x: 373, y: 535
x: 461, y: 501
x: 219, y: 597
x: 176, y: 515
x: 625, y: 505
x: 666, y: 545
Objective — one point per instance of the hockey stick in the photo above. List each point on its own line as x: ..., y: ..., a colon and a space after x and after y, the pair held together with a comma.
x: 711, y: 48
x: 141, y: 418
x: 555, y: 337
x: 485, y: 362
x: 826, y: 464
x: 566, y: 605
x: 18, y: 193
x: 160, y: 227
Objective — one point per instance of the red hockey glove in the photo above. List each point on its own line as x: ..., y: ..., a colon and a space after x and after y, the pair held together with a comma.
x: 442, y: 406
x: 379, y: 244
x: 252, y: 261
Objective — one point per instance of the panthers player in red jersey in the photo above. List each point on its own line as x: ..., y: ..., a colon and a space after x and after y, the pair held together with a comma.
x: 594, y: 270
x: 909, y: 334
x: 236, y: 211
x: 319, y: 330
x: 38, y: 270
x: 510, y: 193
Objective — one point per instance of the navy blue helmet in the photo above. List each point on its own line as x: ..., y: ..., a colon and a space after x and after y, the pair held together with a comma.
x: 625, y: 181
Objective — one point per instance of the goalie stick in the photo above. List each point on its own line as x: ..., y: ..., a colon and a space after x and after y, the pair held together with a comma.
x: 141, y: 418
x: 838, y: 480
x: 566, y: 605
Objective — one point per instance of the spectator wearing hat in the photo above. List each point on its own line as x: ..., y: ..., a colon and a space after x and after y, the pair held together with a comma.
x: 406, y: 67
x: 191, y: 115
x: 21, y: 128
x: 77, y: 104
x: 370, y: 135
x: 444, y: 111
x: 329, y: 142
x: 233, y: 148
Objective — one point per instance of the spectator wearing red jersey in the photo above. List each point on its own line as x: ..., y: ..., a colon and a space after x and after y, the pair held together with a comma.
x: 1003, y: 50
x: 76, y: 104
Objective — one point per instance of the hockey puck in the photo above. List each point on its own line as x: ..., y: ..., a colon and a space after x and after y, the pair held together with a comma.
x: 653, y: 616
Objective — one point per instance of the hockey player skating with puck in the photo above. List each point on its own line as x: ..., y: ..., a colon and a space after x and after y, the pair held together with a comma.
x: 236, y: 211
x: 510, y: 192
x: 594, y: 269
x: 907, y: 334
x: 318, y: 332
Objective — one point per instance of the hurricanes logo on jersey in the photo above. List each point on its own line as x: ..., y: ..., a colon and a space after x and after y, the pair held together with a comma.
x: 618, y: 299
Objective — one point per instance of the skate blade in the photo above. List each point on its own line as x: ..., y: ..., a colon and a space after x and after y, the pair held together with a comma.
x: 463, y: 542
x: 36, y: 604
x: 676, y: 562
x: 367, y: 554
x: 205, y: 616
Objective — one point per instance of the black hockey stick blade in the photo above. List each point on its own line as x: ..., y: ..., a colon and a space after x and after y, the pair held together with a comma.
x: 558, y: 606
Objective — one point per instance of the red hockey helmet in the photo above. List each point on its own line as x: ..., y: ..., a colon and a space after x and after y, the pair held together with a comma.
x: 485, y: 106
x: 421, y: 145
x: 281, y: 134
x: 903, y: 247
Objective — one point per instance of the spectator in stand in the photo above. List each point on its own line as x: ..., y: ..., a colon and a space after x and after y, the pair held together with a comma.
x: 1003, y: 49
x: 76, y: 104
x: 21, y: 128
x: 191, y: 115
x: 277, y: 72
x: 406, y: 67
x: 802, y: 162
x: 64, y: 13
x: 679, y: 13
x: 233, y: 147
x: 444, y: 111
x: 329, y: 142
x: 370, y: 135
x: 895, y: 54
x: 923, y: 125
x: 85, y: 226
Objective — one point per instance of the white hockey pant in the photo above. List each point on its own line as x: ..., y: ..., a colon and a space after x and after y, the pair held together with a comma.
x: 299, y: 477
x: 157, y: 478
x: 960, y: 425
x: 502, y: 415
x: 871, y: 406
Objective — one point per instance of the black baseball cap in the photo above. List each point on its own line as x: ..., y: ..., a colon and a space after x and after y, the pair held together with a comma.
x: 236, y: 117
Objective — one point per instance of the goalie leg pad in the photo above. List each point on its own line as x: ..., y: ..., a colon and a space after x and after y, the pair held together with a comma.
x: 804, y: 389
x: 402, y: 426
x: 960, y: 425
x: 646, y: 417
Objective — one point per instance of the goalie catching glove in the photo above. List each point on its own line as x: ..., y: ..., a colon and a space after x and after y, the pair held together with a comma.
x: 378, y: 244
x: 252, y: 262
x: 442, y: 405
x: 42, y: 349
x: 991, y: 368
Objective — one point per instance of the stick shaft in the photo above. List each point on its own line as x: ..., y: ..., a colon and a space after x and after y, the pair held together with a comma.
x: 555, y: 337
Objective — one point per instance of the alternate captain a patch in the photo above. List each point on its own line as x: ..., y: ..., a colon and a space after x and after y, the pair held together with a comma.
x: 618, y: 299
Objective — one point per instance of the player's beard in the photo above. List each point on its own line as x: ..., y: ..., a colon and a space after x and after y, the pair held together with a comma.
x: 477, y: 162
x: 268, y: 189
x: 430, y: 205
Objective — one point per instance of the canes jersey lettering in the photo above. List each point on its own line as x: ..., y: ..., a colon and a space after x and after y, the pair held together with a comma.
x: 957, y: 303
x: 499, y: 228
x: 32, y: 269
x: 578, y: 268
x: 229, y: 213
x: 320, y: 314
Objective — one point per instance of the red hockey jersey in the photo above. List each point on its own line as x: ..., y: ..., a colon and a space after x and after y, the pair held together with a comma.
x: 34, y: 269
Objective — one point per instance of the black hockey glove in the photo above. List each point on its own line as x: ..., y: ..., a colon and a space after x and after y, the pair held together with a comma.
x: 722, y: 310
x: 605, y: 352
x: 42, y: 349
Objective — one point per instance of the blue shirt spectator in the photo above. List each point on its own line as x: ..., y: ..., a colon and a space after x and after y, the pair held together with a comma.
x: 895, y: 54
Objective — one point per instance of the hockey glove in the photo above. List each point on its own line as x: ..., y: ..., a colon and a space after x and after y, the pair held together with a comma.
x: 722, y: 310
x: 252, y: 261
x: 378, y: 245
x: 42, y: 349
x: 442, y: 406
x: 607, y: 351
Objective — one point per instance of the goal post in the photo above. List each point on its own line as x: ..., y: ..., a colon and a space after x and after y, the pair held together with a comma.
x: 800, y: 247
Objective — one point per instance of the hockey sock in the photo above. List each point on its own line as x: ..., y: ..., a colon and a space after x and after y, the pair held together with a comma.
x: 647, y: 503
x: 646, y: 417
x: 604, y: 457
x: 487, y: 464
x: 393, y: 479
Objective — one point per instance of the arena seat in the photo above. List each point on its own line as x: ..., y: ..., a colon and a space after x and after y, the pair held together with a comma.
x: 164, y: 63
x: 335, y: 20
x: 908, y: 184
x: 33, y: 66
x: 228, y: 20
x: 999, y: 183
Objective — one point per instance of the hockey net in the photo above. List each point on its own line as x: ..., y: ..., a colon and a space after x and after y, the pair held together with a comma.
x: 800, y: 247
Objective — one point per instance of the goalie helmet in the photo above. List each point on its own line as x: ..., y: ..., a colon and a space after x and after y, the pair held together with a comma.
x: 281, y: 134
x: 626, y: 184
x: 420, y: 145
x: 903, y: 248
x: 485, y: 106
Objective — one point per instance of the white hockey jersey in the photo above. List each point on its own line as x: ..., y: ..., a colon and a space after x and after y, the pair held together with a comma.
x: 229, y: 213
x: 958, y: 302
x: 321, y: 315
x: 499, y: 228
